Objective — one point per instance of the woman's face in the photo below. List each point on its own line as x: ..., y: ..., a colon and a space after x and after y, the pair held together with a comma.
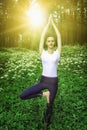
x: 50, y: 42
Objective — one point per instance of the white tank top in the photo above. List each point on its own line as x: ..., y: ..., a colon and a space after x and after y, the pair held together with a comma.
x: 49, y: 63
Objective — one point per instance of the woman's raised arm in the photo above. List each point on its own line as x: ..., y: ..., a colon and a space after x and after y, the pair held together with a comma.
x: 58, y: 35
x: 41, y: 45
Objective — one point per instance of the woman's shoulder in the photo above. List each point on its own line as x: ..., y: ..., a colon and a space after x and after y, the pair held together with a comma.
x: 56, y: 51
x: 43, y: 52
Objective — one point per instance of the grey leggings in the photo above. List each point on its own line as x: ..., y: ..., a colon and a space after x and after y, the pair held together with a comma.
x: 36, y: 90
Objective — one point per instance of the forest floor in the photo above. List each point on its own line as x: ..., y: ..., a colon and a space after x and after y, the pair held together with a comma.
x: 20, y: 68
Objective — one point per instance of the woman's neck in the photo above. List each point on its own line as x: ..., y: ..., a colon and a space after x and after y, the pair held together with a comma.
x: 50, y: 50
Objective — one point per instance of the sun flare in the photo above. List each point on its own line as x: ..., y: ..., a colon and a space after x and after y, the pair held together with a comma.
x: 35, y: 15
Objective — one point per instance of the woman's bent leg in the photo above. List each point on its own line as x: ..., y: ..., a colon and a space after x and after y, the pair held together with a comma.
x: 33, y: 91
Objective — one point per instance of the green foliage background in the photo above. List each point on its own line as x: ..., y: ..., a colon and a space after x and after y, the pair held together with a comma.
x: 20, y: 68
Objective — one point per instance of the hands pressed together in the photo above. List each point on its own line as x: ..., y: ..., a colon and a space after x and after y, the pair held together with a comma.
x: 50, y: 20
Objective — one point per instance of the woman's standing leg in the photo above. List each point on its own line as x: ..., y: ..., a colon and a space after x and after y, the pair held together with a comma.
x: 49, y: 107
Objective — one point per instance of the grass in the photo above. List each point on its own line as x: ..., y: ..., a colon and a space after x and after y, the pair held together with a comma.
x: 20, y: 68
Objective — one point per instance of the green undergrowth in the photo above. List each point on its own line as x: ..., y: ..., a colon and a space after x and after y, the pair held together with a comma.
x: 20, y: 68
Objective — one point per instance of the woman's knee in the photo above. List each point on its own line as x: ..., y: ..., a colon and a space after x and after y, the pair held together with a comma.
x: 22, y: 96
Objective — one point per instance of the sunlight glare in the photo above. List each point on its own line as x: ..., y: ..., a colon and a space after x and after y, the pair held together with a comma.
x: 36, y: 15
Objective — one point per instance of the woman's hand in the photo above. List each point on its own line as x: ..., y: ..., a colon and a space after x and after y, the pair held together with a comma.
x: 51, y: 20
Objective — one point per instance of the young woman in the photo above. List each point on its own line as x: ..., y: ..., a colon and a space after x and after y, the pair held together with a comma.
x: 49, y: 78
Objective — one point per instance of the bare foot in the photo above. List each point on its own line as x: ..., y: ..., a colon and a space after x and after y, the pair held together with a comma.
x: 47, y: 95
